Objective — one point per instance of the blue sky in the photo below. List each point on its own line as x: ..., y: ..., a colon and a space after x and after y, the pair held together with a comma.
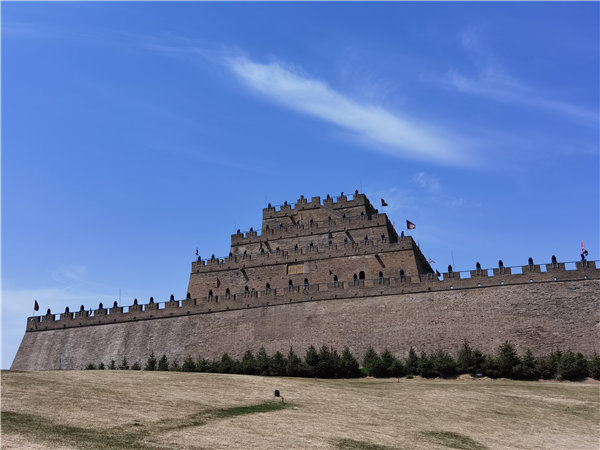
x: 133, y: 133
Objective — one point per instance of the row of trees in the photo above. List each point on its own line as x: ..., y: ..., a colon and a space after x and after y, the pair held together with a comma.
x: 328, y: 363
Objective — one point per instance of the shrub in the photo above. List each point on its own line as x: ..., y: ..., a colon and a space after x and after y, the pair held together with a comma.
x: 311, y: 361
x: 387, y: 362
x: 548, y: 366
x: 90, y: 366
x: 151, y: 362
x: 101, y: 366
x: 136, y: 366
x: 175, y: 366
x: 227, y: 364
x: 163, y: 363
x: 469, y: 361
x: 112, y: 365
x: 124, y: 364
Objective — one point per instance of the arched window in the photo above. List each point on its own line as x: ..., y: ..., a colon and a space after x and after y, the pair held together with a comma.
x: 290, y: 285
x: 268, y: 287
x: 210, y: 294
x: 330, y: 242
x: 345, y: 242
x: 246, y: 291
x: 355, y: 279
x: 361, y: 275
x: 335, y: 280
x: 402, y: 277
x: 227, y: 293
x: 306, y: 283
x: 380, y: 277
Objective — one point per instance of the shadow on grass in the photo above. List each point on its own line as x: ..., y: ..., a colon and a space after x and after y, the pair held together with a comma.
x: 452, y: 440
x: 351, y: 444
x: 41, y: 429
x: 130, y: 436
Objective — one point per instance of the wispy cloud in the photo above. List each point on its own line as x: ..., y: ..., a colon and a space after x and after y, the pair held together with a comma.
x: 373, y: 125
x: 492, y: 81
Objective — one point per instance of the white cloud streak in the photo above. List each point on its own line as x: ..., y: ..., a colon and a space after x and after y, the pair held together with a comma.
x: 372, y: 125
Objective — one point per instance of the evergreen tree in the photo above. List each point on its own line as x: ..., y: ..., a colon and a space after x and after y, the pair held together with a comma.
x: 412, y: 362
x: 90, y: 366
x: 443, y: 365
x: 101, y: 366
x: 277, y: 365
x: 548, y: 365
x: 227, y: 364
x: 262, y: 362
x: 396, y: 369
x: 324, y: 368
x: 425, y: 366
x: 349, y: 367
x: 387, y: 361
x: 248, y: 365
x: 163, y: 363
x: 527, y: 369
x: 124, y: 364
x: 372, y: 363
x: 507, y: 360
x: 202, y: 365
x: 293, y: 366
x: 151, y: 362
x: 594, y: 366
x: 175, y: 366
x: 572, y: 366
x: 468, y: 360
x: 188, y: 364
x: 136, y: 366
x: 311, y: 361
x: 112, y: 365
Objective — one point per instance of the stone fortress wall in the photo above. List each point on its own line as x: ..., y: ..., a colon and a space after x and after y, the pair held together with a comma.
x: 541, y: 307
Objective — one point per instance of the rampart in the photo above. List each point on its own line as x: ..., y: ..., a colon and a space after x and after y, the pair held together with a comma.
x: 333, y: 273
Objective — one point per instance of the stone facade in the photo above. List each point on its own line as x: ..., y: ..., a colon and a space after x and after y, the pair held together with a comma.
x: 394, y: 301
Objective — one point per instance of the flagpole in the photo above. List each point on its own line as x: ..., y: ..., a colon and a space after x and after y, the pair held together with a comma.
x: 452, y: 255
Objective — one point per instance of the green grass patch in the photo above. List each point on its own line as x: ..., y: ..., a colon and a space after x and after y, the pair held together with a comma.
x: 40, y: 429
x: 251, y: 409
x: 452, y: 440
x: 351, y: 444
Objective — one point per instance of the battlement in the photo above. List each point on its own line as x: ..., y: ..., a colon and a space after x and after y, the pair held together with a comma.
x: 303, y: 204
x: 356, y: 288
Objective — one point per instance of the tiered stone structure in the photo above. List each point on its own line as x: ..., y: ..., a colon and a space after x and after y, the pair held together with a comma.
x: 334, y: 273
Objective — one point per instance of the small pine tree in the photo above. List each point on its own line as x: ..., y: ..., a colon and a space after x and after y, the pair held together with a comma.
x: 188, y: 365
x: 136, y: 366
x: 151, y: 362
x: 548, y: 366
x: 425, y: 366
x: 467, y: 360
x: 248, y: 365
x: 372, y: 363
x: 277, y: 365
x: 387, y: 361
x: 112, y: 365
x: 202, y: 365
x: 507, y: 360
x: 293, y: 366
x: 90, y: 366
x: 593, y: 366
x: 412, y: 362
x: 175, y: 366
x: 124, y: 364
x: 396, y: 369
x: 101, y: 366
x: 349, y: 367
x: 443, y: 364
x: 163, y: 363
x: 262, y: 362
x: 311, y: 361
x: 527, y: 369
x: 572, y: 366
x: 226, y: 365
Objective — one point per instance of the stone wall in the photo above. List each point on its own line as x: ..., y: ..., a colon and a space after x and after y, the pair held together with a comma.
x: 540, y: 316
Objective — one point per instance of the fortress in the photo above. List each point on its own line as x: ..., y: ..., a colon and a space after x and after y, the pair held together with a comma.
x: 331, y: 272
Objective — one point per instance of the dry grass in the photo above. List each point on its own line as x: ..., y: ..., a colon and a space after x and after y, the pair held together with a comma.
x: 113, y: 409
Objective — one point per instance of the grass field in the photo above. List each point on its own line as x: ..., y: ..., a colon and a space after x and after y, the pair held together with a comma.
x: 127, y: 409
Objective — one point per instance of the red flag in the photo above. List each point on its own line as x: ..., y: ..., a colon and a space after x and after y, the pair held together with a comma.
x: 431, y: 261
x: 36, y: 307
x: 383, y: 203
x: 582, y: 247
x: 218, y: 283
x: 410, y: 225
